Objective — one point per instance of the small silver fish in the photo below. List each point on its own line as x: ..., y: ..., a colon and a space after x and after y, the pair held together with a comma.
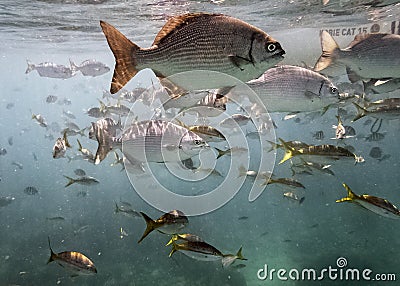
x: 319, y: 135
x: 40, y: 120
x: 17, y: 164
x: 51, y: 99
x: 69, y: 114
x: 95, y: 112
x: 217, y: 42
x: 90, y: 68
x: 60, y: 147
x: 31, y: 191
x: 3, y: 151
x: 293, y: 196
x: 375, y: 136
x: 50, y: 70
x: 83, y: 180
x: 80, y: 172
x: 340, y: 131
x: 375, y: 152
x: 235, y: 120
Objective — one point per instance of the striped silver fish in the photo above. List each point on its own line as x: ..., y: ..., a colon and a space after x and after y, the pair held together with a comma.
x: 369, y: 56
x: 74, y: 261
x: 195, y: 41
x: 291, y: 88
x: 152, y: 141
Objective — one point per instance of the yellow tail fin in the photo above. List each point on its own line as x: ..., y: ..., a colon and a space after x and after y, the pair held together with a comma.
x: 173, y: 250
x: 125, y: 56
x: 350, y: 195
x: 150, y: 226
x: 288, y: 151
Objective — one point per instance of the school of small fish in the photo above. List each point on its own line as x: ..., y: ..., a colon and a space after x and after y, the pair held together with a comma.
x: 221, y: 43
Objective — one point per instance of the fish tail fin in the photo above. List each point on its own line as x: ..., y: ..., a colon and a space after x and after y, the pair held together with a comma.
x: 288, y: 151
x: 103, y: 107
x: 173, y: 238
x: 52, y: 254
x: 66, y: 139
x: 274, y: 146
x: 82, y: 132
x: 239, y: 254
x: 30, y: 67
x: 350, y: 195
x: 116, y: 159
x: 150, y: 226
x: 329, y: 51
x: 70, y: 181
x: 125, y: 56
x: 173, y: 250
x: 116, y: 207
x: 361, y: 112
x: 79, y: 145
x: 74, y: 67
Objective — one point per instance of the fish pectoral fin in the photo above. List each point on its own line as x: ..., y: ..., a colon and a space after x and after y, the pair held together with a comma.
x: 171, y: 147
x: 239, y: 61
x: 352, y: 75
x: 310, y: 95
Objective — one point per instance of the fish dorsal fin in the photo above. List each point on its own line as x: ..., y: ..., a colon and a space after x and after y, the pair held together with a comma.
x: 175, y: 23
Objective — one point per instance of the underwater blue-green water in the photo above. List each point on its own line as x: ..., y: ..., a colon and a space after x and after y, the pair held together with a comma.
x: 274, y: 230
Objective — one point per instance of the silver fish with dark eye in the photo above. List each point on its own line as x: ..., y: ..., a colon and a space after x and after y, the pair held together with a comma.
x: 294, y: 89
x: 151, y: 141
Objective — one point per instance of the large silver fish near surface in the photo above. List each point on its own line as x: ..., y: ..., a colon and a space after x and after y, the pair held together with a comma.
x: 369, y: 56
x: 151, y: 141
x: 291, y: 88
x: 195, y: 41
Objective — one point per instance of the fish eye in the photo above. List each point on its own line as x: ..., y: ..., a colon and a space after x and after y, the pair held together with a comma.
x: 197, y: 142
x: 271, y: 48
x: 334, y: 90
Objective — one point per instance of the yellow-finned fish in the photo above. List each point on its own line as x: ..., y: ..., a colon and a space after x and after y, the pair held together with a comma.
x: 195, y: 41
x: 326, y: 151
x: 74, y: 261
x: 377, y: 205
x: 168, y: 223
